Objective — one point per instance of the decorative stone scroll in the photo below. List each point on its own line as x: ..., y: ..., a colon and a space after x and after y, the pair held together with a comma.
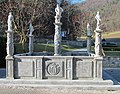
x: 54, y: 68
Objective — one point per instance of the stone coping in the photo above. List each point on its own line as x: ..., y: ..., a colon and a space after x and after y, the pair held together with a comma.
x: 27, y: 55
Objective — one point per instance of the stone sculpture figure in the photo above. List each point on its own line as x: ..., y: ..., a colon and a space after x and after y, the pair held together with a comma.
x: 88, y: 30
x: 97, y: 17
x: 31, y: 28
x: 58, y: 11
x: 10, y: 22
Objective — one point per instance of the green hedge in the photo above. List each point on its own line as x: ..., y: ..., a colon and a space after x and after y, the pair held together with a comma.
x: 2, y: 52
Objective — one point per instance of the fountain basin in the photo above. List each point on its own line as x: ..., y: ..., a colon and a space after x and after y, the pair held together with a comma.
x: 57, y: 67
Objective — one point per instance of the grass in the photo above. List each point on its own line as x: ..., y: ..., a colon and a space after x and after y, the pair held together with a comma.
x: 112, y: 53
x: 115, y: 34
x: 112, y: 48
x: 40, y: 47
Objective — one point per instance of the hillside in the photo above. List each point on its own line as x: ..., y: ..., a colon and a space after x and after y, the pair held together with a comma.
x: 109, y: 11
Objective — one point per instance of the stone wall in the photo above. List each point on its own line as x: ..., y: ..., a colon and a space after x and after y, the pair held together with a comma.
x: 66, y: 42
x: 111, y: 62
x: 75, y: 43
x: 58, y: 67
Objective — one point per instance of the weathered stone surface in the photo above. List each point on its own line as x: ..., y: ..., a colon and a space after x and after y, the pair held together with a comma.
x: 84, y: 69
x: 25, y: 69
x: 59, y: 67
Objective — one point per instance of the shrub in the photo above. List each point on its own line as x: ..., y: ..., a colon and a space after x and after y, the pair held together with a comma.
x: 2, y: 52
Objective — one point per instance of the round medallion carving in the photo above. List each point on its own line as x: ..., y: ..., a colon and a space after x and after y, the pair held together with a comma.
x: 53, y: 69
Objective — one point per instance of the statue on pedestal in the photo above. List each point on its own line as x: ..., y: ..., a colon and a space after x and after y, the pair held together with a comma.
x: 10, y: 47
x: 97, y: 17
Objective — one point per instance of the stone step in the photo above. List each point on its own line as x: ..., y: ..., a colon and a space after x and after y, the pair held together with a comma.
x: 57, y: 82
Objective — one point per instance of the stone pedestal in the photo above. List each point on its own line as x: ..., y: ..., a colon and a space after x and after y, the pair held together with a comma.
x: 89, y: 44
x: 98, y: 43
x: 9, y: 67
x: 98, y: 68
x: 31, y: 39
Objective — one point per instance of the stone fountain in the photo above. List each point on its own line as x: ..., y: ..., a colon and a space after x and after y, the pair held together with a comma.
x: 57, y: 69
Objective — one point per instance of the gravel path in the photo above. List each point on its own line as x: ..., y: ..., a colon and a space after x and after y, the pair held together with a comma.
x: 24, y: 90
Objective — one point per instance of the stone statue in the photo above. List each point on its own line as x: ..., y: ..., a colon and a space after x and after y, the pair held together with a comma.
x: 88, y: 30
x: 31, y: 28
x: 10, y: 22
x: 58, y: 11
x: 97, y: 17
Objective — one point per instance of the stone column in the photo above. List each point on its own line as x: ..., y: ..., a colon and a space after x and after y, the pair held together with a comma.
x: 10, y: 49
x: 57, y: 39
x: 57, y: 36
x: 31, y: 38
x: 98, y: 43
x: 89, y: 35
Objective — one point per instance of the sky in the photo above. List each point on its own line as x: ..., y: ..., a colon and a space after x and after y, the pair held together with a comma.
x: 72, y: 1
x: 76, y: 1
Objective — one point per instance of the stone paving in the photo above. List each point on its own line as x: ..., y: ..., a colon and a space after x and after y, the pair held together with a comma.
x: 114, y: 72
x: 24, y: 90
x: 52, y: 90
